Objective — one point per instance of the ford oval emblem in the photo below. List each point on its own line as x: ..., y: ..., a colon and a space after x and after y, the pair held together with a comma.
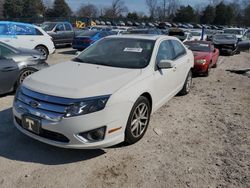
x: 34, y: 104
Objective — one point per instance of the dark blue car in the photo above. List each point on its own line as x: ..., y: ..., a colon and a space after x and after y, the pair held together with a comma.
x: 86, y: 38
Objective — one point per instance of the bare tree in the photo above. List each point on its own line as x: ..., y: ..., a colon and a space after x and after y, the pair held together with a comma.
x: 215, y: 2
x: 89, y: 11
x: 152, y: 7
x: 173, y: 5
x: 116, y: 9
x: 166, y: 8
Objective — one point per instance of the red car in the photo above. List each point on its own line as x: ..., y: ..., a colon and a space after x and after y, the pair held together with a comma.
x: 205, y: 56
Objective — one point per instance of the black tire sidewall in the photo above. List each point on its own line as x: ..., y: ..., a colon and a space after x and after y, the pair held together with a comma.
x: 129, y: 138
x: 184, y: 89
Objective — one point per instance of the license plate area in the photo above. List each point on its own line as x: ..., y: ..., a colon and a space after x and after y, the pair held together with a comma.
x: 31, y: 124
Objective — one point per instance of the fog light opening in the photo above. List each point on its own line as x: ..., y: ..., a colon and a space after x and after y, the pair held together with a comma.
x: 95, y: 135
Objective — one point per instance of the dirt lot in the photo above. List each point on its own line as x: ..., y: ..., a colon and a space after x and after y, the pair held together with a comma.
x: 199, y: 140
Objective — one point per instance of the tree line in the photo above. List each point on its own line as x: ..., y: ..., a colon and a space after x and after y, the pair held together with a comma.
x: 216, y: 12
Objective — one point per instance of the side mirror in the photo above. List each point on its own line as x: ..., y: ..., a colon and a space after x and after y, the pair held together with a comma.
x: 165, y: 64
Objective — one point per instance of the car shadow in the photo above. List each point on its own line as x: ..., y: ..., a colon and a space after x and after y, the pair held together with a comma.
x: 16, y: 146
x: 68, y: 52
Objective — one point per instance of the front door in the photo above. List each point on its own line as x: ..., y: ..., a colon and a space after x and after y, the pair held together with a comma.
x: 164, y: 79
x: 9, y: 72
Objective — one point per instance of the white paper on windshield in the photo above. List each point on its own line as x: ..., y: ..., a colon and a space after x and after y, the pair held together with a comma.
x: 137, y: 50
x: 204, y: 45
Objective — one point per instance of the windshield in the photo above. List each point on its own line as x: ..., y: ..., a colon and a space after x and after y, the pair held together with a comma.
x: 195, y: 33
x: 178, y: 34
x: 48, y: 26
x: 119, y: 52
x: 200, y: 47
x: 224, y: 37
x: 246, y: 36
x: 233, y: 31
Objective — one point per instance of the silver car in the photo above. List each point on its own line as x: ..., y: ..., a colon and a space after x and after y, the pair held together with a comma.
x: 16, y: 65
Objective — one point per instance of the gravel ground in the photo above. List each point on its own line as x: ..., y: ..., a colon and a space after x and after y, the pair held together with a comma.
x: 198, y: 140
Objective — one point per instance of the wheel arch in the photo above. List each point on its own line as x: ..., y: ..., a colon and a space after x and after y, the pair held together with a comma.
x: 149, y: 97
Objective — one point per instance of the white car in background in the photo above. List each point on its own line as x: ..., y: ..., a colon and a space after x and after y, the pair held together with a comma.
x: 109, y: 92
x: 235, y: 31
x: 21, y: 35
x: 187, y: 37
x: 197, y: 35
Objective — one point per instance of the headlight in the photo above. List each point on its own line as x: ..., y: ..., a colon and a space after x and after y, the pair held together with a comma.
x: 87, y: 106
x: 202, y: 61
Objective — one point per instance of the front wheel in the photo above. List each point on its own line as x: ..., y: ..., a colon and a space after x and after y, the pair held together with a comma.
x: 187, y: 85
x: 138, y: 120
x: 24, y: 74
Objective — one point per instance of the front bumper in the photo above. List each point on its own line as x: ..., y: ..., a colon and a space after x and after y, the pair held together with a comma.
x: 65, y: 132
x: 200, y: 68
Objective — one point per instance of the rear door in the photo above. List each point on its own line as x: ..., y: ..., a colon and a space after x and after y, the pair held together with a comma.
x: 69, y: 33
x: 9, y: 70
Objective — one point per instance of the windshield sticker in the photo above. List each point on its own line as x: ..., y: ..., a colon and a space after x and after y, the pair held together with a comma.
x: 204, y: 45
x: 137, y: 50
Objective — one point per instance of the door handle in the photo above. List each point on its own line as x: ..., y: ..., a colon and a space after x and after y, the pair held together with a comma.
x: 31, y: 40
x: 175, y: 68
x: 8, y: 69
x: 6, y: 40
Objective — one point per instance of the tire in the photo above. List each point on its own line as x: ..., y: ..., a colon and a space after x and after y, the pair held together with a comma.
x: 43, y: 50
x: 206, y: 74
x: 138, y: 120
x: 187, y: 85
x: 215, y: 65
x: 24, y: 73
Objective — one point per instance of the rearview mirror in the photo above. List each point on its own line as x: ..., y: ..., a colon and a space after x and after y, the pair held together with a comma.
x: 165, y: 64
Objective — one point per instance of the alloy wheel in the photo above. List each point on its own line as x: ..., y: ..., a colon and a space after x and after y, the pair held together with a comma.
x: 25, y: 74
x: 139, y: 120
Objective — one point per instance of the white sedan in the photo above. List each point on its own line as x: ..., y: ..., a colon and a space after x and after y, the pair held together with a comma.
x: 106, y: 95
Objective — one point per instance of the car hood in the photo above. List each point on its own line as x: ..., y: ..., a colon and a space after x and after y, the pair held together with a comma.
x: 216, y: 41
x: 200, y: 55
x: 80, y: 80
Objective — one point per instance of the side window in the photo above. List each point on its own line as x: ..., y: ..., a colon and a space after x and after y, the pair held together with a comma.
x: 23, y: 29
x: 190, y: 36
x: 165, y: 51
x: 67, y: 27
x: 5, y: 52
x: 60, y: 27
x: 179, y: 49
x: 103, y: 34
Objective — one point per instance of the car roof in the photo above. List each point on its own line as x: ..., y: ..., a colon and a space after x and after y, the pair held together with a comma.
x: 199, y: 41
x: 233, y: 29
x: 141, y: 36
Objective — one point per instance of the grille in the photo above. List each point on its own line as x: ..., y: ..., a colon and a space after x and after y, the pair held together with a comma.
x: 47, y: 134
x: 45, y: 106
